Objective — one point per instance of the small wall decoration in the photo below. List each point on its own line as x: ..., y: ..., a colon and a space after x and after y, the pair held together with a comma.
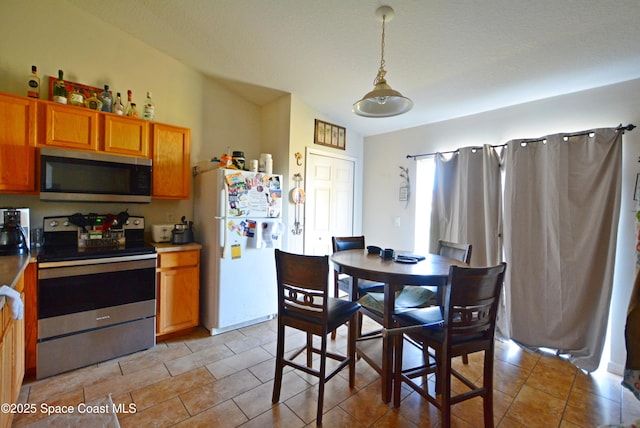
x: 328, y: 134
x: 405, y: 187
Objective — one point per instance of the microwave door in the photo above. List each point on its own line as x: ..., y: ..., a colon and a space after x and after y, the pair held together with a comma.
x: 68, y: 175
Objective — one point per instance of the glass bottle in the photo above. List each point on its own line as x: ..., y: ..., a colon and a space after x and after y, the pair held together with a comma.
x: 127, y: 109
x: 107, y: 99
x: 149, y: 108
x: 118, y: 108
x: 59, y: 90
x: 94, y: 102
x: 33, y: 90
x: 76, y: 98
x: 133, y: 112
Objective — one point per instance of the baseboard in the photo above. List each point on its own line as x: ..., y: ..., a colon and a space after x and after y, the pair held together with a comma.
x: 615, y: 368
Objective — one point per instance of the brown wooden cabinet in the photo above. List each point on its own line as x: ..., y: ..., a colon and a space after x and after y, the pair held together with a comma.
x: 178, y: 288
x: 26, y: 124
x: 126, y: 136
x: 17, y: 144
x: 171, y: 162
x: 11, y: 357
x: 70, y: 127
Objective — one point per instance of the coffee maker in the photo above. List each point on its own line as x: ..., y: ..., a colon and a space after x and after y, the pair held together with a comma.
x: 12, y: 237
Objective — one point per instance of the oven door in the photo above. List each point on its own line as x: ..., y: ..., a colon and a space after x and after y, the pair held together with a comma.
x: 94, y: 310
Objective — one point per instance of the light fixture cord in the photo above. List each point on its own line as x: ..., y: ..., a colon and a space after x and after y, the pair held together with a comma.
x: 381, y: 71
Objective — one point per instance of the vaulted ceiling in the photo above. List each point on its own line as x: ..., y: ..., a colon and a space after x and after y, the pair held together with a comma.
x: 453, y: 58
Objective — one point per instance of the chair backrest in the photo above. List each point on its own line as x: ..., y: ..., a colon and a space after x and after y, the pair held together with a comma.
x: 453, y: 250
x: 302, y: 286
x: 341, y: 243
x: 471, y: 302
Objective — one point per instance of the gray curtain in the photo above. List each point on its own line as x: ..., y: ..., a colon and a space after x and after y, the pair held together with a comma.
x: 562, y: 204
x: 466, y: 205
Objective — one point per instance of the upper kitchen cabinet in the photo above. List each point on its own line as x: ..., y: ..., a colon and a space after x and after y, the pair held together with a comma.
x: 126, y: 136
x: 70, y: 127
x: 17, y: 144
x: 171, y: 162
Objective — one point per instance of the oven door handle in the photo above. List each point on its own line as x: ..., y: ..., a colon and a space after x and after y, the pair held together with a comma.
x: 104, y: 260
x: 64, y: 271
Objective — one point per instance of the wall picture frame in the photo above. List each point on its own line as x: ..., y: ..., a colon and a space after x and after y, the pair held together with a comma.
x: 330, y: 135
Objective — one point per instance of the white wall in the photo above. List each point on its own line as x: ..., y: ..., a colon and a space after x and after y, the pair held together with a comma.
x: 603, y: 107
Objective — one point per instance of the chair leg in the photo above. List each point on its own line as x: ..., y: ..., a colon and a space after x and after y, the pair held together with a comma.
x: 335, y: 294
x: 487, y: 381
x: 323, y: 372
x: 351, y: 350
x: 277, y: 381
x: 445, y: 383
x: 397, y: 369
x: 309, y: 349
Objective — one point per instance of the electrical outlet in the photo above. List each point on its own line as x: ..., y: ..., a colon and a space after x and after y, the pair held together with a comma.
x: 171, y: 218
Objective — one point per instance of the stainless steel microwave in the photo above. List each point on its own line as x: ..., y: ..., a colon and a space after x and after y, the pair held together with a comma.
x: 69, y: 175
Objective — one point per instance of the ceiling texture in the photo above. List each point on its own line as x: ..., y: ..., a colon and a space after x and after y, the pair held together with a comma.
x: 451, y: 57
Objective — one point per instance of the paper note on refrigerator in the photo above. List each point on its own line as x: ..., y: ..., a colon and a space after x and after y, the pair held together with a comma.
x: 236, y: 251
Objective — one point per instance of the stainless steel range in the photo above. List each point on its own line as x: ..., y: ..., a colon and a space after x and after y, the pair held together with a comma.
x: 96, y: 291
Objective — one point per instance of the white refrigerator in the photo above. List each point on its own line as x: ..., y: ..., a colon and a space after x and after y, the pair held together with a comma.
x: 237, y: 219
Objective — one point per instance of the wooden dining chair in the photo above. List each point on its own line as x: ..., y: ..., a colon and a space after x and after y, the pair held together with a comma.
x: 342, y: 282
x: 465, y: 326
x: 304, y: 304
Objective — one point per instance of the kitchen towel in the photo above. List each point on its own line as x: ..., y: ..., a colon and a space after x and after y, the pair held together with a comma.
x: 17, y: 307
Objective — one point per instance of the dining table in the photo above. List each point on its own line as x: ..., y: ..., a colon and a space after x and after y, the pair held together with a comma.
x: 432, y: 270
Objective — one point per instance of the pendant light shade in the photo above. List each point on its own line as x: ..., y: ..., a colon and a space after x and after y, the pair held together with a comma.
x: 382, y: 101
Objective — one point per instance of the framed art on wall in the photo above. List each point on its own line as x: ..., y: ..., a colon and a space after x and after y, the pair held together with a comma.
x: 328, y: 134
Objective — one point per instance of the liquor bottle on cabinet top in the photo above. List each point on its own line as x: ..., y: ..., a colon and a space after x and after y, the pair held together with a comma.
x: 133, y: 112
x: 118, y: 108
x: 76, y: 98
x: 59, y: 90
x: 33, y: 90
x: 149, y: 110
x: 93, y: 102
x: 107, y: 99
x: 127, y: 109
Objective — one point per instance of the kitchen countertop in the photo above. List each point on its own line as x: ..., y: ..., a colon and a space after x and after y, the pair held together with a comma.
x: 11, y: 267
x: 165, y: 247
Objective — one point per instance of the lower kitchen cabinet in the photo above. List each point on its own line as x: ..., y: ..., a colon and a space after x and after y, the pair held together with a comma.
x: 11, y: 357
x: 178, y: 288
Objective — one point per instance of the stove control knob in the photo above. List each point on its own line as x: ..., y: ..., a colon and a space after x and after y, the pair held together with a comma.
x: 66, y: 224
x: 136, y: 222
x: 54, y: 223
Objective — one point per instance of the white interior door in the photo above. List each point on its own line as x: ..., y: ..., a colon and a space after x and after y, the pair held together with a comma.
x: 329, y: 188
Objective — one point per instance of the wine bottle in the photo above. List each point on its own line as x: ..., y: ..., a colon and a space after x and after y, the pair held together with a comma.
x: 149, y: 111
x: 107, y: 99
x: 33, y: 90
x: 59, y: 90
x: 118, y: 108
x: 127, y: 109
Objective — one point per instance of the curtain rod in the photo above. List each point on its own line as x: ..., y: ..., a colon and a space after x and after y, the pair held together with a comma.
x: 629, y: 127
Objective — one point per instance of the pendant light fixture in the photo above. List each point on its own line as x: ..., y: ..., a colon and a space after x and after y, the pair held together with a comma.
x: 382, y: 101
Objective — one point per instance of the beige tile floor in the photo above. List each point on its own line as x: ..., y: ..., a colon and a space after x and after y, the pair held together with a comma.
x: 226, y: 381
